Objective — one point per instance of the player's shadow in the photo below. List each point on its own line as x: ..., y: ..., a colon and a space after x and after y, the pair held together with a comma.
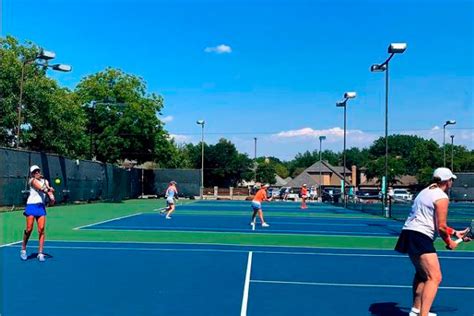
x: 34, y: 255
x: 387, y: 309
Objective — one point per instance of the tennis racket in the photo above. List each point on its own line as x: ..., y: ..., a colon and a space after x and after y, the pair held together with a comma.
x: 469, y: 233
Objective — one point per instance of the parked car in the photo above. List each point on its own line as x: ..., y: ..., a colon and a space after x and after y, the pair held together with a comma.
x: 331, y: 195
x: 292, y: 193
x: 273, y: 193
x: 402, y: 194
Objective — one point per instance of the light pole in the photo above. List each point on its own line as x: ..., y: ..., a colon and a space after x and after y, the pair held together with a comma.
x: 452, y: 153
x: 347, y: 96
x: 321, y: 138
x: 45, y: 56
x: 450, y: 122
x: 255, y: 159
x: 202, y: 123
x: 394, y: 48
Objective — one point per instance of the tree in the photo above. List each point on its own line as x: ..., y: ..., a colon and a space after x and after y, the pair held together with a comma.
x: 266, y: 173
x: 123, y: 118
x: 357, y: 157
x: 52, y: 119
x: 224, y: 166
x: 376, y: 169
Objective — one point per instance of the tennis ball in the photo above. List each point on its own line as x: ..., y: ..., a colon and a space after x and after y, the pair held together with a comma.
x: 57, y: 181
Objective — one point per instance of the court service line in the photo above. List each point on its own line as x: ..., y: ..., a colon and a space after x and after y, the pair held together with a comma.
x: 229, y: 245
x: 243, y: 311
x: 243, y: 250
x: 109, y: 220
x: 11, y: 244
x: 463, y: 288
x: 238, y: 230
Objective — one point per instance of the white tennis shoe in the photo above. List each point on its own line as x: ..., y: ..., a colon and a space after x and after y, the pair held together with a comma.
x: 416, y: 312
x: 23, y: 255
x: 265, y: 225
x: 40, y: 257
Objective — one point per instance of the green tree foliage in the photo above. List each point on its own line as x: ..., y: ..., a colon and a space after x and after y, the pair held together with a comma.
x: 224, y: 166
x: 51, y: 119
x: 123, y: 119
x: 266, y: 172
x: 303, y: 161
x: 357, y: 157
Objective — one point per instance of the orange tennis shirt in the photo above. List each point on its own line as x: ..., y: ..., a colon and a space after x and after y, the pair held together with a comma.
x: 260, y: 196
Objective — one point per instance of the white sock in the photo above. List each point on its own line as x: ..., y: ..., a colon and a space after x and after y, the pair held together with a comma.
x: 416, y: 310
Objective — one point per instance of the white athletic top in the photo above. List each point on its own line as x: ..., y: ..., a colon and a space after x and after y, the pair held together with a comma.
x: 422, y: 217
x: 36, y: 196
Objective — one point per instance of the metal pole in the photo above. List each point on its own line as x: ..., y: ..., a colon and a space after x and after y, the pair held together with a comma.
x: 320, y: 165
x: 444, y: 145
x: 255, y: 159
x: 202, y: 162
x: 20, y: 105
x: 344, y: 159
x: 452, y: 153
x: 387, y: 209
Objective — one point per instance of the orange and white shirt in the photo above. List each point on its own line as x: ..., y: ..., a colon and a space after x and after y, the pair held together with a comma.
x: 260, y: 196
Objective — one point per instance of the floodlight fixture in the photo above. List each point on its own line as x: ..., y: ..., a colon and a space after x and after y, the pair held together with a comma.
x: 61, y: 67
x: 450, y: 122
x: 46, y: 55
x: 378, y: 68
x: 397, y: 48
x: 350, y: 95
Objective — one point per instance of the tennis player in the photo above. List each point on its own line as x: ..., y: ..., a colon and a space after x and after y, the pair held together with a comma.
x: 171, y: 196
x: 427, y: 219
x: 36, y: 210
x: 259, y: 197
x: 304, y: 196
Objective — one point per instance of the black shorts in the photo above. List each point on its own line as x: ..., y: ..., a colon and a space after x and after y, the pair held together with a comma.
x: 414, y: 243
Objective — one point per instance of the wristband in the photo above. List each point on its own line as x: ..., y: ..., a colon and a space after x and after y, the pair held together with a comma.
x: 450, y: 231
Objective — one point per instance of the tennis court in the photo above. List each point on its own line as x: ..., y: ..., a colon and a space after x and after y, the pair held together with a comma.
x: 125, y: 259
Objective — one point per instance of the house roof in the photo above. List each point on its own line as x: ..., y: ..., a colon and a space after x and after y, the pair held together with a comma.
x: 404, y: 180
x: 324, y: 166
x: 280, y: 181
x: 302, y: 178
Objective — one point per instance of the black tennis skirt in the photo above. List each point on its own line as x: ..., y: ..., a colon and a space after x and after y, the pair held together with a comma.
x: 414, y: 243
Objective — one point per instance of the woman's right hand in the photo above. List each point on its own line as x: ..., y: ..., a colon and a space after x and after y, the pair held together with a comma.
x: 452, y: 245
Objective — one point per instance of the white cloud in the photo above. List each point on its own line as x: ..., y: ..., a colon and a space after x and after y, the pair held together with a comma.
x: 180, y: 138
x: 167, y: 119
x: 332, y: 134
x: 219, y: 49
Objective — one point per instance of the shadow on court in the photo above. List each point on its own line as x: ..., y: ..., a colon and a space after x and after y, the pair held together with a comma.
x: 35, y: 254
x: 387, y: 309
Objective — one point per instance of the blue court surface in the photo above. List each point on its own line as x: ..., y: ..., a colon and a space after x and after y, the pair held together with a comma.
x: 234, y: 216
x: 241, y: 223
x: 102, y: 278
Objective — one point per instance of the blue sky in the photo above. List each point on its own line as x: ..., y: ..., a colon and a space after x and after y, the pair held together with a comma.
x: 272, y: 69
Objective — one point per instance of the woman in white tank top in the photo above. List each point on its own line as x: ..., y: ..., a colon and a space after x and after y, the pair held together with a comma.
x: 427, y: 219
x: 36, y: 210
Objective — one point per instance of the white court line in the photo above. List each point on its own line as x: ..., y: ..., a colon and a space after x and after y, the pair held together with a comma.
x: 243, y: 250
x: 236, y: 245
x: 109, y: 220
x: 11, y: 244
x: 336, y: 224
x: 464, y: 288
x: 245, y: 297
x: 238, y: 230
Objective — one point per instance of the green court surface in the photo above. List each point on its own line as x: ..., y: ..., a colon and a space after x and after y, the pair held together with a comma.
x: 62, y: 221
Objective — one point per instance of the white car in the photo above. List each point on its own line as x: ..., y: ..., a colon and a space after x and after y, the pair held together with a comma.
x: 402, y: 194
